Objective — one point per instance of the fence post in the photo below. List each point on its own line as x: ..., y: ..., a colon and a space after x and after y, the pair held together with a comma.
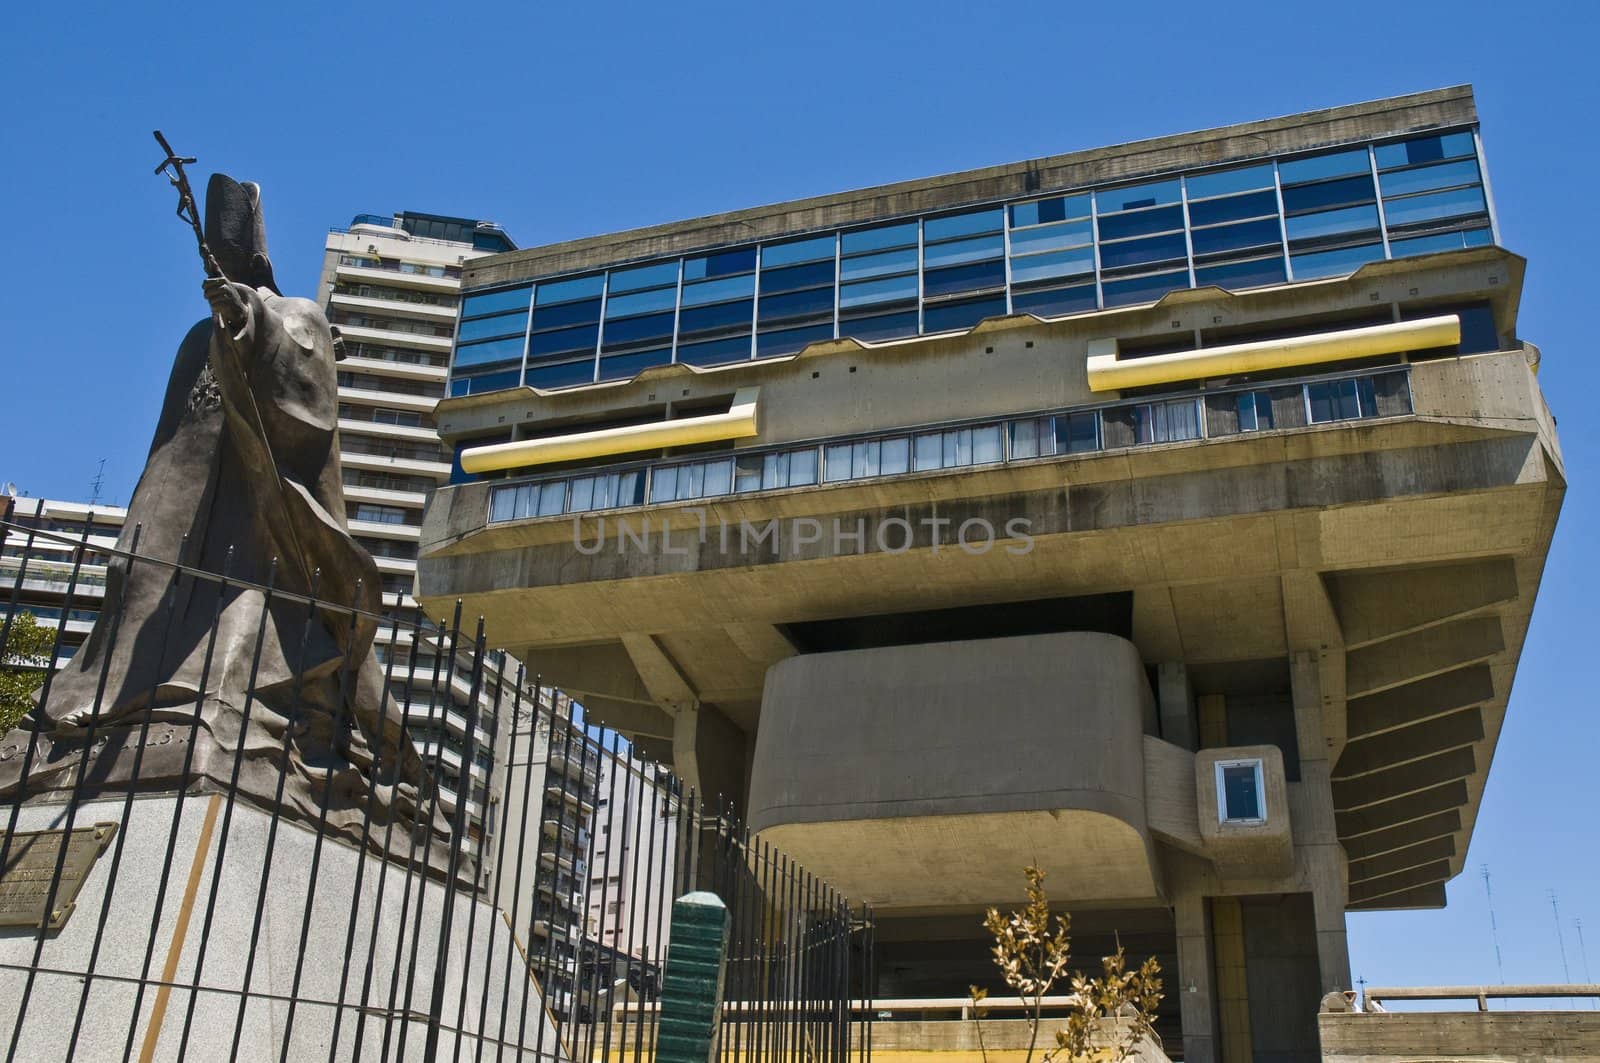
x: 691, y: 988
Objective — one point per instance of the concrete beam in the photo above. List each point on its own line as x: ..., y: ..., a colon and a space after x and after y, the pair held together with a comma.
x: 1408, y: 809
x: 1374, y: 605
x: 1429, y: 896
x: 1426, y: 874
x: 1402, y: 859
x: 1408, y: 744
x: 1407, y: 658
x: 1391, y: 839
x: 659, y: 673
x: 1422, y: 700
x: 709, y: 754
x: 762, y: 643
x: 601, y: 670
x: 1386, y: 785
x: 631, y: 718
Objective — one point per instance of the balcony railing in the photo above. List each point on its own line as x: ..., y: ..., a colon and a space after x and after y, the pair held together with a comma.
x: 998, y: 441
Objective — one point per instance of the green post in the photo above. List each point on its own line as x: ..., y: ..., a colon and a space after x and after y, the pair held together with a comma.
x: 691, y: 989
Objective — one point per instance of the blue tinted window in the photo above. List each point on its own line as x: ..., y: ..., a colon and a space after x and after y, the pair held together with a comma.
x: 1424, y: 149
x: 881, y: 327
x: 640, y: 302
x: 953, y: 225
x: 1060, y: 264
x: 1423, y: 245
x: 711, y: 318
x: 655, y: 275
x: 496, y: 302
x: 1136, y: 252
x: 974, y: 250
x: 945, y: 317
x: 1044, y: 211
x: 493, y: 351
x: 964, y: 278
x: 819, y: 247
x: 1234, y: 208
x: 638, y: 330
x: 548, y: 317
x: 1054, y: 301
x: 1344, y: 193
x: 1141, y: 223
x: 1351, y: 219
x: 790, y: 340
x: 878, y: 291
x: 476, y: 385
x: 1234, y: 237
x: 796, y: 304
x: 877, y: 239
x: 1238, y: 275
x: 484, y: 327
x: 1425, y: 178
x: 1229, y: 181
x: 584, y: 337
x: 716, y: 352
x: 1334, y: 263
x: 1241, y: 796
x: 626, y: 366
x: 716, y: 290
x: 812, y: 275
x: 878, y: 265
x: 1077, y: 433
x: 547, y: 292
x: 1150, y: 195
x: 1318, y: 167
x: 565, y: 375
x: 1051, y: 237
x: 721, y: 264
x: 1433, y: 206
x: 1143, y: 289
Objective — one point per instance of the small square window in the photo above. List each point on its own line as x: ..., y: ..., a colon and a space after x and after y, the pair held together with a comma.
x: 1241, y: 792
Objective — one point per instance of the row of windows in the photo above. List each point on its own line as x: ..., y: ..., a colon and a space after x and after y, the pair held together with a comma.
x: 1215, y: 414
x: 1248, y: 226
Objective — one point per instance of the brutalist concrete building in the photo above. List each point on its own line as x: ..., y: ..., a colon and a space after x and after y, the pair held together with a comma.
x: 1168, y: 514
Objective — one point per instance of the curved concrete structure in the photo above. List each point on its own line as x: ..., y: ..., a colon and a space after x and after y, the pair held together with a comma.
x: 927, y: 776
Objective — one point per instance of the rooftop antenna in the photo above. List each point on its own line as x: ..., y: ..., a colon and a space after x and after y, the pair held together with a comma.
x: 1583, y: 951
x: 96, y: 484
x: 1566, y: 972
x: 1494, y: 931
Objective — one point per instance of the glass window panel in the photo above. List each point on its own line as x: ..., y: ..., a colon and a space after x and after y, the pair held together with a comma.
x: 1237, y: 237
x: 627, y: 366
x: 582, y: 497
x: 1044, y: 211
x: 928, y: 450
x: 527, y: 500
x: 816, y: 301
x: 878, y: 291
x: 1051, y: 237
x: 1239, y: 275
x: 1334, y: 263
x: 1226, y: 182
x: 1140, y: 223
x: 655, y: 275
x: 1317, y: 167
x: 895, y: 457
x: 1424, y: 149
x: 747, y: 469
x: 485, y: 327
x: 712, y: 318
x: 720, y: 264
x: 1149, y: 195
x: 1143, y: 289
x: 881, y: 327
x: 946, y: 317
x: 1233, y: 208
x: 965, y: 278
x: 548, y: 292
x: 566, y: 315
x: 878, y: 265
x: 1366, y: 399
x: 582, y: 338
x: 1333, y: 400
x: 477, y: 385
x: 986, y: 445
x: 718, y: 478
x: 1058, y: 264
x: 953, y: 225
x: 803, y: 467
x: 715, y: 291
x: 1248, y: 421
x: 640, y: 302
x: 504, y: 504
x: 1333, y: 222
x: 885, y: 236
x: 1047, y: 435
x: 1423, y: 245
x: 507, y: 350
x: 496, y: 302
x: 1139, y: 252
x: 1425, y: 178
x: 1328, y: 195
x: 1025, y: 439
x: 561, y: 375
x: 1434, y: 206
x: 552, y: 498
x: 864, y: 459
x: 1054, y: 301
x: 715, y: 352
x: 956, y: 448
x: 811, y: 275
x: 836, y: 462
x: 774, y: 471
x: 787, y: 341
x: 630, y: 488
x: 814, y: 249
x: 975, y: 250
x: 650, y: 328
x: 1241, y: 797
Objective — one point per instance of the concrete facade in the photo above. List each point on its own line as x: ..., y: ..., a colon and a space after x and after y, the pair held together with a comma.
x: 919, y: 680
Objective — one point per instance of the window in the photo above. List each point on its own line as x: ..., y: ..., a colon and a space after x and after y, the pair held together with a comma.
x: 1241, y: 792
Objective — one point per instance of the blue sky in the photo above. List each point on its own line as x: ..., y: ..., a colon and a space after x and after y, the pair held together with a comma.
x: 598, y: 117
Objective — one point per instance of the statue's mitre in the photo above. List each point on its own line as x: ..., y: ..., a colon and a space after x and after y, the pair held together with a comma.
x: 236, y: 232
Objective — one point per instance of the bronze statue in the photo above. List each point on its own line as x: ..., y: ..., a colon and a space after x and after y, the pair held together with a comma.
x: 242, y: 479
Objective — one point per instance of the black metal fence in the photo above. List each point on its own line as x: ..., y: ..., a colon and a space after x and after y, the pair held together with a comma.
x: 273, y: 876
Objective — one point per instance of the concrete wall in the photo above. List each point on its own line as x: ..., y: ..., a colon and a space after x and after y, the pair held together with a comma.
x: 1520, y: 1036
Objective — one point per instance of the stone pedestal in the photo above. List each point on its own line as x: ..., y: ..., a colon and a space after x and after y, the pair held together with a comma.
x: 491, y: 965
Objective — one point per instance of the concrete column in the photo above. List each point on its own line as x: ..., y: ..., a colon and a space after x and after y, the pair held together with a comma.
x: 709, y: 754
x: 1316, y: 834
x: 1178, y: 724
x: 1196, y: 996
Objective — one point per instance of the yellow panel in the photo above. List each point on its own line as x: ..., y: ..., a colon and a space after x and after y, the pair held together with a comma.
x: 1108, y: 373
